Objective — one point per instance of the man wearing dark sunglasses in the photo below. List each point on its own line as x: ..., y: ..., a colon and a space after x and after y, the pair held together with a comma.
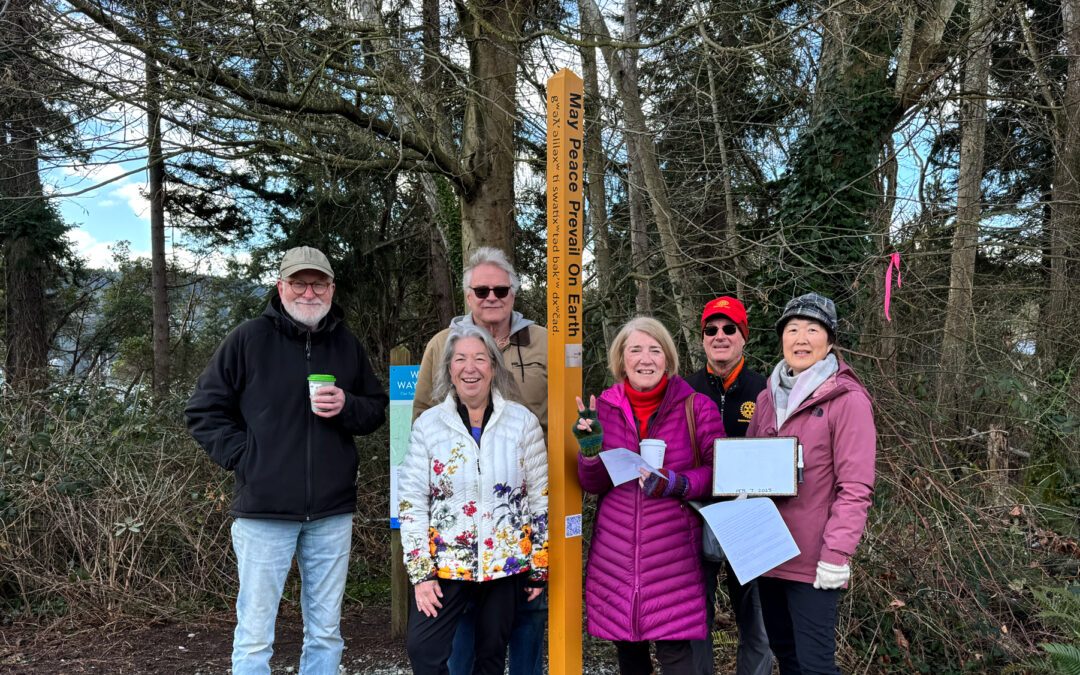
x: 734, y: 388
x: 489, y: 284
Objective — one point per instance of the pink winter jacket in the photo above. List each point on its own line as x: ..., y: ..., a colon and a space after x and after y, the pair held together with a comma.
x: 835, y: 426
x: 643, y: 580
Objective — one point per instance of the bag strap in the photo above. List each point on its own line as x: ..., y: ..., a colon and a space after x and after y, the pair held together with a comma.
x: 691, y: 424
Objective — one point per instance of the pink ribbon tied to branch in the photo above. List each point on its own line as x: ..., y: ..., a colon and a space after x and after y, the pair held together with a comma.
x: 894, y: 261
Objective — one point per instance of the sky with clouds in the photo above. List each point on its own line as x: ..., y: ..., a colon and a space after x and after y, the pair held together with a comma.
x: 105, y: 204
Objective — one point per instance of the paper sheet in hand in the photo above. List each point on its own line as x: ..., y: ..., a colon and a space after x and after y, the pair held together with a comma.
x: 622, y: 465
x: 756, y: 466
x: 752, y: 534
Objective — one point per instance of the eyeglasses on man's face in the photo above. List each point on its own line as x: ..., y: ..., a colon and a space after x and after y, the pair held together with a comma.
x: 482, y: 291
x: 300, y: 287
x: 712, y: 330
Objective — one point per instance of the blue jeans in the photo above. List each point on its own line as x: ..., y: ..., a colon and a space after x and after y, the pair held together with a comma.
x: 526, y: 640
x: 264, y: 554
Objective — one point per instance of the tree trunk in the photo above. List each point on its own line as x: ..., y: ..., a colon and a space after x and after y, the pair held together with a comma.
x: 487, y: 211
x: 431, y: 79
x: 635, y: 182
x: 828, y: 203
x: 887, y: 341
x: 639, y: 235
x: 730, y: 217
x: 158, y: 269
x: 640, y: 148
x: 1059, y: 348
x: 441, y: 281
x: 23, y: 210
x: 26, y: 333
x: 959, y: 317
x: 595, y: 170
x: 997, y: 463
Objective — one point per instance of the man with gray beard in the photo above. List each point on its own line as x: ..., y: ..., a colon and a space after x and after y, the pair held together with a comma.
x: 292, y: 454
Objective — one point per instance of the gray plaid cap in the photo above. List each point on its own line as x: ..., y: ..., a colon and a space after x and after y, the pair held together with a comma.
x: 811, y: 306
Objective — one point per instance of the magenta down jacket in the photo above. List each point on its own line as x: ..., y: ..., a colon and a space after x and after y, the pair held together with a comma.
x: 643, y: 580
x: 836, y: 428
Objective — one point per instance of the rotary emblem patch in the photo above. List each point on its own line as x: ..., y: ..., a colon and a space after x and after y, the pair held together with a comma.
x: 747, y: 410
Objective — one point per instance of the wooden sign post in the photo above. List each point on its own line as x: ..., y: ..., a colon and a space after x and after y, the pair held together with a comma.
x: 402, y: 388
x: 565, y: 201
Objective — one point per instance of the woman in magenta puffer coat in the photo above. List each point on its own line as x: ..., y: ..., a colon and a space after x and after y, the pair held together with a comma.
x: 817, y: 398
x: 643, y: 580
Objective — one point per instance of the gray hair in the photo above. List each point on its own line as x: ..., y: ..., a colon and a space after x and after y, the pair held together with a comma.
x: 501, y: 379
x: 487, y: 255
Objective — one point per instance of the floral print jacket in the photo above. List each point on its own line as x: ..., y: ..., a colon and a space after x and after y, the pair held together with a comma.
x: 475, y: 512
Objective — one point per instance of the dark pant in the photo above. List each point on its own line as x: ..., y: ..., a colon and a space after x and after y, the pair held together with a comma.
x: 674, y: 656
x: 801, y: 622
x: 495, y: 602
x: 526, y: 640
x: 753, y: 656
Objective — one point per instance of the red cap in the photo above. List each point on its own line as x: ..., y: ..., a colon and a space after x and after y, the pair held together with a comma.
x: 729, y: 307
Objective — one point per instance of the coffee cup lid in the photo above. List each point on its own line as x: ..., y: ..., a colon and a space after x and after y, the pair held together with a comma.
x: 321, y: 378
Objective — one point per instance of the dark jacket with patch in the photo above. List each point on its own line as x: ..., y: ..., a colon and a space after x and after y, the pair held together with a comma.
x: 252, y: 413
x: 737, y: 403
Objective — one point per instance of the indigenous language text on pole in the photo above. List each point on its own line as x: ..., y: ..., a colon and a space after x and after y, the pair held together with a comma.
x: 565, y: 218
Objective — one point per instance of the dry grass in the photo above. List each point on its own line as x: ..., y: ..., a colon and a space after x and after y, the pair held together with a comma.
x: 108, y: 508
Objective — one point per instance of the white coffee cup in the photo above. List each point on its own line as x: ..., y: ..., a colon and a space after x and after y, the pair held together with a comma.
x: 316, y: 382
x: 652, y: 451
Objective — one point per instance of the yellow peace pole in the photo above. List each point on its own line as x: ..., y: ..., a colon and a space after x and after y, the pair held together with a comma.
x: 565, y: 152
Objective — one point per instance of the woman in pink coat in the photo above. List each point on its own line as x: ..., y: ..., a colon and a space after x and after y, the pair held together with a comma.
x: 643, y: 580
x: 816, y: 397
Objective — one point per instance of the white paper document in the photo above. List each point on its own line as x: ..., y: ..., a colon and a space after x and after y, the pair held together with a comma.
x: 756, y: 466
x: 622, y: 465
x: 752, y: 534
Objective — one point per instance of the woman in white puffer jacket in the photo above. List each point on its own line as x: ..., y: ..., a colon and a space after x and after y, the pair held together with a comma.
x: 473, y: 507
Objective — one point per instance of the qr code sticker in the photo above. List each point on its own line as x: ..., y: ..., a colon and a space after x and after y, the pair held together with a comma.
x: 573, y: 525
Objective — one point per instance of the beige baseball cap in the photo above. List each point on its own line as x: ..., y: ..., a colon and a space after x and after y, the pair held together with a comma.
x: 305, y: 258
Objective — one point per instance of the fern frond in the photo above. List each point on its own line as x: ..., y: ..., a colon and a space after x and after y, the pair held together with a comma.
x: 1065, y: 657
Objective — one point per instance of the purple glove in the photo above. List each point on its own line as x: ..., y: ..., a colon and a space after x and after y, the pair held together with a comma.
x: 670, y: 485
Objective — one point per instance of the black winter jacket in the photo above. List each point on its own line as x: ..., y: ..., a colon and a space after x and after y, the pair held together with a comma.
x: 737, y: 403
x: 252, y: 414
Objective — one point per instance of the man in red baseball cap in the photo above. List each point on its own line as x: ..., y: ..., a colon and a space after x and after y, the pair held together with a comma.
x: 724, y: 332
x: 734, y: 388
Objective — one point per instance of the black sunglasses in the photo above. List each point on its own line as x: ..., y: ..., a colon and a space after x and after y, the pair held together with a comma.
x: 482, y: 291
x: 728, y: 328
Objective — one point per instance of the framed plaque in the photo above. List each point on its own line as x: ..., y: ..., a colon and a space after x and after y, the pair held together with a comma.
x: 766, y: 467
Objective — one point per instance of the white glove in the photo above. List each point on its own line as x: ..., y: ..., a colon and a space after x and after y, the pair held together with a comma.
x: 830, y: 576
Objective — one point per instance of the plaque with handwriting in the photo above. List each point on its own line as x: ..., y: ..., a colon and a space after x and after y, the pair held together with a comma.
x: 756, y: 466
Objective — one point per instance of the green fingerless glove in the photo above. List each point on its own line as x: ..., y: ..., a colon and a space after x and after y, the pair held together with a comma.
x: 589, y: 441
